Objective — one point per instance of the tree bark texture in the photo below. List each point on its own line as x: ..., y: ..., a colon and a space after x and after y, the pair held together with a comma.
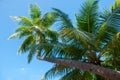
x: 104, y: 72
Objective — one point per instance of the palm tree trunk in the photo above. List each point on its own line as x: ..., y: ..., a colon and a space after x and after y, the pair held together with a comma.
x: 104, y: 72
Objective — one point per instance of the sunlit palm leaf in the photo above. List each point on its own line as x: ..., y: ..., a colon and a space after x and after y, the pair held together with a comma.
x: 116, y: 5
x: 70, y: 34
x: 24, y: 29
x: 21, y: 32
x: 34, y: 11
x: 15, y: 35
x: 48, y: 20
x: 22, y: 20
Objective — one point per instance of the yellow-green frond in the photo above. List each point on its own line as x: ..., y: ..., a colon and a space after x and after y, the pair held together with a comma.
x: 15, y: 35
x: 34, y: 11
x: 115, y: 5
x: 48, y: 20
x: 23, y: 21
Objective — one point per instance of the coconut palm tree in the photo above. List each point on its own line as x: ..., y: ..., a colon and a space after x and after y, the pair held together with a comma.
x: 34, y: 30
x: 81, y: 48
x: 93, y: 40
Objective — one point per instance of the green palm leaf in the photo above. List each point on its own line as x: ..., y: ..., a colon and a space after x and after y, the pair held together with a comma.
x: 57, y: 70
x: 74, y: 35
x: 109, y: 27
x: 26, y: 45
x: 34, y: 11
x: 87, y: 16
x: 63, y: 18
x: 48, y: 20
x: 72, y: 75
x: 112, y: 56
x: 21, y: 32
x: 15, y: 35
x: 52, y: 35
x: 116, y: 5
x: 23, y: 21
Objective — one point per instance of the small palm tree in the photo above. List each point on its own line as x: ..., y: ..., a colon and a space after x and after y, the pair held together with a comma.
x: 35, y: 30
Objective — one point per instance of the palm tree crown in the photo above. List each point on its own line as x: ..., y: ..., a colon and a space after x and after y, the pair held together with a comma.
x: 35, y: 30
x: 91, y: 40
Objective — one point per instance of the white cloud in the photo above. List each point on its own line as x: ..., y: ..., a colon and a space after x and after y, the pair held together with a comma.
x: 22, y: 69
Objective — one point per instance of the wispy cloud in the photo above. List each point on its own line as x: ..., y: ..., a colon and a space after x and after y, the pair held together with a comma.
x: 23, y: 71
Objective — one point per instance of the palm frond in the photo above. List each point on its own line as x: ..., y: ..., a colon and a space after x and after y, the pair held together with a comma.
x: 112, y: 54
x: 80, y: 37
x: 104, y: 16
x: 72, y: 75
x: 87, y: 76
x: 31, y: 52
x: 26, y: 45
x: 34, y: 11
x: 23, y: 21
x: 56, y: 50
x: 24, y: 29
x: 21, y: 32
x: 105, y: 34
x: 76, y: 74
x: 52, y: 35
x: 15, y: 35
x: 116, y: 5
x: 114, y: 18
x: 48, y: 20
x: 109, y: 28
x: 88, y: 16
x: 43, y: 49
x: 63, y: 18
x: 73, y: 52
x: 57, y: 70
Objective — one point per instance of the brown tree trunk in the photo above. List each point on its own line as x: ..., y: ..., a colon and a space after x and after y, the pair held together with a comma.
x: 104, y: 72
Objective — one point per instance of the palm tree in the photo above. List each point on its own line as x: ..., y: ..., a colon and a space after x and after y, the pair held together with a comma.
x: 95, y: 40
x: 34, y: 30
x: 85, y: 46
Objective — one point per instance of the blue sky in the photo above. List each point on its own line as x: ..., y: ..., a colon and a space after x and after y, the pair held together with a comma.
x: 13, y: 66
